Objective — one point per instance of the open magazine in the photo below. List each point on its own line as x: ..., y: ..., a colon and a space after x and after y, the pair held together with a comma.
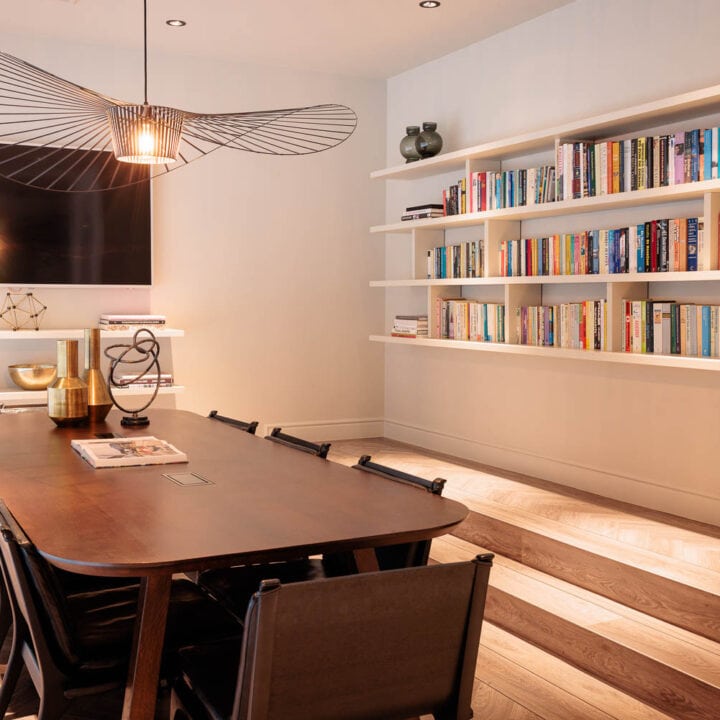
x: 119, y: 452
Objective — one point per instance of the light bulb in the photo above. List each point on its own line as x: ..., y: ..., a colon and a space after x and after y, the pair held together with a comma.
x: 146, y: 141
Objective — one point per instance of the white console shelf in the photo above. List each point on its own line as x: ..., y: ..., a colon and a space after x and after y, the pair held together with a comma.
x: 37, y: 397
x: 15, y: 395
x: 75, y: 334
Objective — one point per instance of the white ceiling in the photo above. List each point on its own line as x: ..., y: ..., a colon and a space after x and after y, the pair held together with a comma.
x: 371, y: 38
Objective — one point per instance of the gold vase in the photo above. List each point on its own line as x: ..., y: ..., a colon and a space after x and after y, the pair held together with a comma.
x: 98, y: 395
x: 67, y: 396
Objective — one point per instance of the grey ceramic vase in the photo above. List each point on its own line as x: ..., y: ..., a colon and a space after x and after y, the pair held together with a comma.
x: 408, y: 145
x: 429, y: 141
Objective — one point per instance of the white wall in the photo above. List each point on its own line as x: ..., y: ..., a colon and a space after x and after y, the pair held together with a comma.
x: 263, y: 261
x: 646, y: 435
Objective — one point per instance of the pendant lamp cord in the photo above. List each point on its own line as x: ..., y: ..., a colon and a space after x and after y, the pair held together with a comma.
x: 145, y: 47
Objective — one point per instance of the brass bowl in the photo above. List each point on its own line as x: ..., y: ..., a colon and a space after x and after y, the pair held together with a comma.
x: 33, y: 376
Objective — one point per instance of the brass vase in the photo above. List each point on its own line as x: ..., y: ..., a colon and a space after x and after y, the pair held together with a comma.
x: 98, y: 395
x: 67, y: 396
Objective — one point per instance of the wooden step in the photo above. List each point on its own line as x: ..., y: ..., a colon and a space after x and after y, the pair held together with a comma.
x: 663, y: 666
x: 594, y: 593
x: 673, y: 590
x: 516, y: 680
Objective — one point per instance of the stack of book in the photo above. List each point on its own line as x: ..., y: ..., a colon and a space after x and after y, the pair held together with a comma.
x: 149, y: 380
x: 410, y: 326
x: 130, y: 321
x: 421, y: 212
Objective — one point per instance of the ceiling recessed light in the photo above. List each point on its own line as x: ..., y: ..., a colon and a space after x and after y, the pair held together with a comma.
x: 429, y: 4
x: 175, y: 23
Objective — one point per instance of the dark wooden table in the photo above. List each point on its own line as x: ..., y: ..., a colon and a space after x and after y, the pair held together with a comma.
x: 263, y: 501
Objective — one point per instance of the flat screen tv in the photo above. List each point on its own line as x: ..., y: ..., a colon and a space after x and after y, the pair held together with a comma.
x: 49, y: 237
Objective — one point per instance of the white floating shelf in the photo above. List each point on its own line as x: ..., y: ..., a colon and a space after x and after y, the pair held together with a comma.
x: 700, y: 276
x: 691, y: 363
x: 635, y: 198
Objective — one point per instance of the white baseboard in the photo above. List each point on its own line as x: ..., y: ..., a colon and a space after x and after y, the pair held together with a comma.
x: 353, y: 429
x: 637, y: 491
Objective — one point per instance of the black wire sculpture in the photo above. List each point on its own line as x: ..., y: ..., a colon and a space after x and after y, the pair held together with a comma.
x: 141, y: 350
x: 55, y: 135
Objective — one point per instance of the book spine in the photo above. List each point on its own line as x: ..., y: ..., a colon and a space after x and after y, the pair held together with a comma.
x: 695, y: 156
x: 663, y: 245
x: 653, y: 246
x: 664, y: 165
x: 692, y: 244
x: 616, y: 166
x: 705, y: 331
x: 642, y: 163
x: 702, y: 261
x: 648, y: 322
x: 679, y: 155
x: 707, y: 155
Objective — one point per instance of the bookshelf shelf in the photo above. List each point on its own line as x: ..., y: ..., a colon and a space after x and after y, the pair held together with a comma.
x: 636, y: 198
x: 672, y: 361
x: 674, y: 277
x: 616, y: 296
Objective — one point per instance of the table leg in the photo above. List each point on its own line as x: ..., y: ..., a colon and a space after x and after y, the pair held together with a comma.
x: 366, y: 560
x: 144, y: 673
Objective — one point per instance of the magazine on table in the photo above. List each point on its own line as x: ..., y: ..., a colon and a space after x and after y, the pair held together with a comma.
x: 120, y: 452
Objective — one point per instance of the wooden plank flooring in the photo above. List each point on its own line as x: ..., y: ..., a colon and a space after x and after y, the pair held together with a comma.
x: 516, y: 679
x: 628, y: 597
x: 546, y: 687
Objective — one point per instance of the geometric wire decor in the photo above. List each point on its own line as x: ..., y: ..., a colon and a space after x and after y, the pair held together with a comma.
x: 56, y: 135
x: 21, y: 310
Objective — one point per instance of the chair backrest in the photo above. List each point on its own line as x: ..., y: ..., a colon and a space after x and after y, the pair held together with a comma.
x: 374, y: 646
x: 276, y: 435
x: 434, y: 486
x: 393, y: 557
x: 37, y: 601
x: 248, y: 427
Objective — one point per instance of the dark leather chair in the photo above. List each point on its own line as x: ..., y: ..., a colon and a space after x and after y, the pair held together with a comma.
x: 235, y: 586
x: 393, y: 557
x: 278, y: 436
x: 248, y: 427
x: 80, y: 643
x: 374, y: 646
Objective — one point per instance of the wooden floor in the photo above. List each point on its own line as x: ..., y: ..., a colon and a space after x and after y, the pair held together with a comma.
x: 597, y: 609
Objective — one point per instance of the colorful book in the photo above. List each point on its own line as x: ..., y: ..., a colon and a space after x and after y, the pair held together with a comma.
x: 692, y: 244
